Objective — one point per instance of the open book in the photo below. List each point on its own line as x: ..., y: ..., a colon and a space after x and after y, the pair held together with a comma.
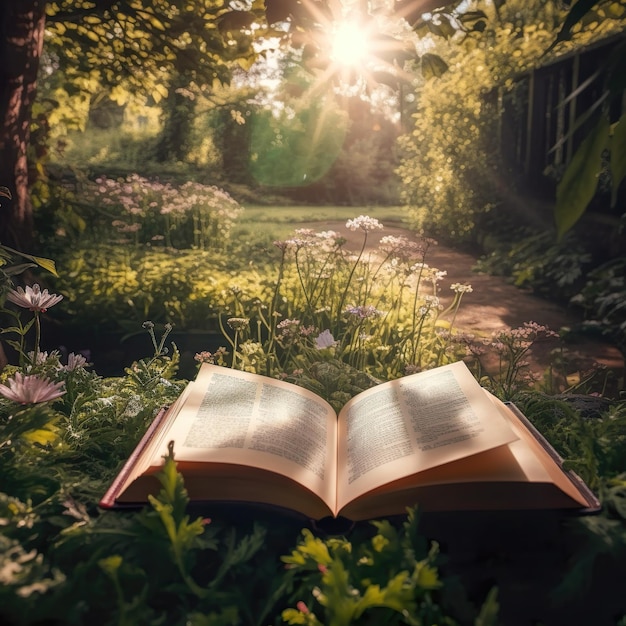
x: 436, y: 439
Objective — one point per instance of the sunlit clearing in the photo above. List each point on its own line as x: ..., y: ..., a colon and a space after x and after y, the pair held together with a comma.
x: 350, y: 44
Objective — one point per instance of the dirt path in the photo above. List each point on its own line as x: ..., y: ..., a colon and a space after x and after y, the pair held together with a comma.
x: 494, y: 304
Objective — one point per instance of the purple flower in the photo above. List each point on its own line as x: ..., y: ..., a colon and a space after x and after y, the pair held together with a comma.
x: 33, y: 298
x: 325, y: 340
x: 31, y: 389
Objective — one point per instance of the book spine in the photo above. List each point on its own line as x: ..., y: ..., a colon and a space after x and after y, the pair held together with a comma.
x: 108, y: 500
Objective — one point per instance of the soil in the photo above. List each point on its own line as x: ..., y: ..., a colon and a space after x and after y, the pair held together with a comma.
x: 495, y: 305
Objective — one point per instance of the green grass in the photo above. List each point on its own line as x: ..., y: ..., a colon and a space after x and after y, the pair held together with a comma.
x: 279, y: 222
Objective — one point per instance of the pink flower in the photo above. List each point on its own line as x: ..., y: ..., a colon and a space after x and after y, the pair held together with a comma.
x: 302, y: 607
x: 204, y: 357
x: 74, y: 362
x: 31, y: 389
x: 33, y: 298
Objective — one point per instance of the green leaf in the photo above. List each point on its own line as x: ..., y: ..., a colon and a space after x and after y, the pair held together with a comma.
x: 426, y: 576
x: 618, y: 156
x: 616, y: 500
x: 488, y: 615
x: 111, y: 564
x: 15, y: 270
x: 41, y: 436
x: 575, y: 15
x: 336, y: 595
x: 293, y: 616
x: 156, y: 23
x: 580, y: 181
x: 397, y: 595
x: 170, y: 507
x: 311, y: 550
x: 173, y: 492
x: 239, y: 553
x: 46, y: 264
x: 445, y: 27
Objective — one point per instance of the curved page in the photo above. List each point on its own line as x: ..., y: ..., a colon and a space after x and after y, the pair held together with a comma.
x: 413, y: 424
x: 238, y: 418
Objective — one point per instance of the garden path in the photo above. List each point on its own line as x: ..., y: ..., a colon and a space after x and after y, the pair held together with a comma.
x: 496, y: 305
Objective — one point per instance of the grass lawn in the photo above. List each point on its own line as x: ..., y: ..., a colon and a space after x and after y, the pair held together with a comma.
x: 280, y: 221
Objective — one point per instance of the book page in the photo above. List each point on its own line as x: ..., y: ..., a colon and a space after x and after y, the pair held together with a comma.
x: 412, y: 424
x: 239, y: 418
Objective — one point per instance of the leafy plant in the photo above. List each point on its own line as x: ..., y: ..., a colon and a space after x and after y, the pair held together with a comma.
x: 536, y: 261
x: 590, y: 435
x: 577, y: 187
x: 13, y: 262
x: 603, y: 298
x: 63, y: 560
x: 388, y: 578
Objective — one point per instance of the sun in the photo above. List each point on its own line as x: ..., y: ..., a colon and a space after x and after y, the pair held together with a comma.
x: 356, y: 51
x: 350, y: 45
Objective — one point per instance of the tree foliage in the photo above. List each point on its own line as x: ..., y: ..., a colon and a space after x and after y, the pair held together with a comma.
x: 108, y: 42
x: 452, y: 170
x: 135, y: 42
x: 145, y: 43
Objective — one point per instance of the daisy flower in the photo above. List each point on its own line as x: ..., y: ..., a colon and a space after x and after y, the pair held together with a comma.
x: 31, y: 389
x: 33, y: 298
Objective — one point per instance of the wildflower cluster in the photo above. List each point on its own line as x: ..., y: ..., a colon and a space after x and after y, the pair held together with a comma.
x: 214, y: 358
x: 191, y: 215
x: 42, y: 377
x: 501, y: 360
x: 364, y: 222
x: 375, y: 310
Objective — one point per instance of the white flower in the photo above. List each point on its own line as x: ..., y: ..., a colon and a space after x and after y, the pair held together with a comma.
x: 364, y: 222
x: 40, y: 358
x: 33, y: 298
x: 238, y: 323
x: 459, y: 288
x: 325, y: 340
x: 31, y: 389
x: 364, y: 312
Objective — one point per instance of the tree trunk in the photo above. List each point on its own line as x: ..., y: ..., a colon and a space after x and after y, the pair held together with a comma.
x: 21, y: 42
x: 178, y: 113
